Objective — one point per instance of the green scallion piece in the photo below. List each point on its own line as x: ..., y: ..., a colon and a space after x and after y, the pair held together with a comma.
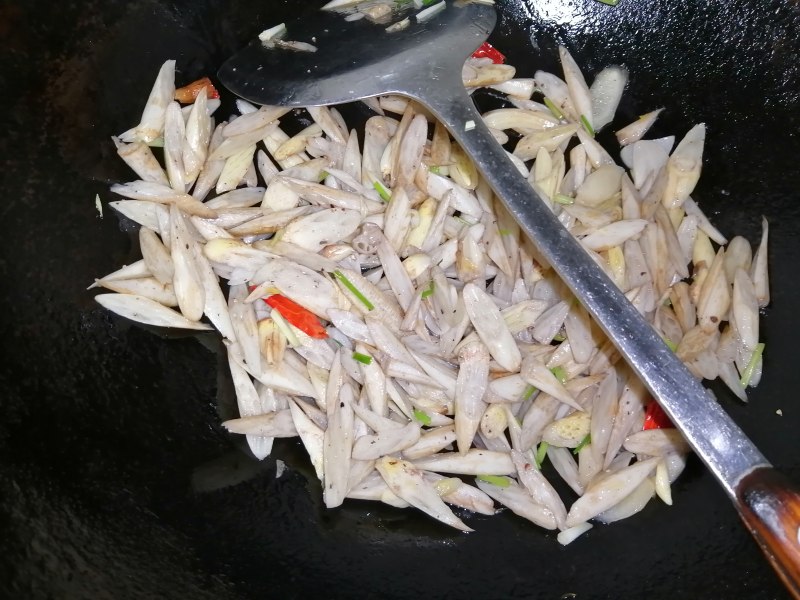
x: 528, y: 392
x: 434, y: 169
x: 672, y: 345
x: 584, y: 442
x: 428, y: 291
x: 559, y: 337
x: 541, y: 453
x: 563, y: 199
x: 553, y: 108
x: 428, y: 2
x: 354, y: 290
x: 560, y: 373
x: 323, y: 175
x: 586, y: 125
x: 382, y: 191
x: 422, y: 417
x: 504, y: 232
x: 498, y: 480
x: 747, y: 374
x: 364, y: 359
x: 609, y: 2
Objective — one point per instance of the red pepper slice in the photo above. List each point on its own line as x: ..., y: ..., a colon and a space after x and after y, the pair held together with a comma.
x: 655, y: 417
x: 488, y: 51
x: 300, y: 317
x: 188, y: 93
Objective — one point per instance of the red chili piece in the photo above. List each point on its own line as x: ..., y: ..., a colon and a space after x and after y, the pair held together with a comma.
x: 655, y: 417
x: 300, y: 317
x: 488, y: 51
x: 188, y: 93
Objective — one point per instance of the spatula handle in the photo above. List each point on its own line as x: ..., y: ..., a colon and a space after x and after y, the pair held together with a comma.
x: 769, y: 505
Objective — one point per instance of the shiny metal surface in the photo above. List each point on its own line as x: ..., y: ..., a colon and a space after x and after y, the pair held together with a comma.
x: 358, y: 60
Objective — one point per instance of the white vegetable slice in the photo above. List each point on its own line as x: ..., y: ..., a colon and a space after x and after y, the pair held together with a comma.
x: 408, y: 482
x: 272, y: 424
x: 338, y: 447
x: 631, y: 504
x: 311, y: 435
x: 319, y: 229
x: 373, y: 446
x: 571, y: 534
x: 157, y: 192
x: 474, y: 462
x: 471, y: 385
x: 174, y: 134
x: 144, y: 310
x: 151, y: 125
x: 491, y: 328
x: 155, y: 255
x: 517, y: 498
x: 541, y: 491
x: 578, y: 90
x: 140, y: 158
x: 636, y: 130
x: 683, y: 167
x: 186, y: 279
x: 759, y: 272
x: 606, y: 92
x: 539, y: 376
x: 148, y: 287
x: 608, y: 491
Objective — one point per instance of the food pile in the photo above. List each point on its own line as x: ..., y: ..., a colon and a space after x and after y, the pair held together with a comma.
x: 377, y: 301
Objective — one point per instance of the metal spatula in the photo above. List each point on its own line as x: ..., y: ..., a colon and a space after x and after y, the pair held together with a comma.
x: 355, y: 60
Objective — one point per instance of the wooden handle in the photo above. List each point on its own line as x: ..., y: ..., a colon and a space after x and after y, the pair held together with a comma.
x: 769, y: 505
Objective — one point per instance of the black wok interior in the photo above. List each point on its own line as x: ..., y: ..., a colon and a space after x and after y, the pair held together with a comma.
x: 116, y: 479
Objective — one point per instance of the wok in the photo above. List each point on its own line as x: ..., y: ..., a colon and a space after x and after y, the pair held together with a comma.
x: 116, y: 479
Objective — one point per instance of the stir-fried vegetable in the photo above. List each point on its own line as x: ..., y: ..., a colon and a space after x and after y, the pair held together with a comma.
x: 408, y: 334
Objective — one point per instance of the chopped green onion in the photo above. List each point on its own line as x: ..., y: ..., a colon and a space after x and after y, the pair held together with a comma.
x: 609, y: 2
x: 354, y: 290
x: 672, y: 345
x: 553, y: 108
x: 285, y: 328
x: 384, y: 193
x: 584, y: 442
x: 560, y: 373
x: 322, y: 175
x: 586, y: 125
x: 559, y: 337
x: 747, y: 374
x: 528, y: 392
x: 364, y: 359
x: 422, y: 417
x: 156, y: 143
x: 428, y: 2
x: 497, y: 480
x: 428, y: 291
x: 434, y: 169
x: 563, y: 199
x: 541, y: 452
x: 504, y: 231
